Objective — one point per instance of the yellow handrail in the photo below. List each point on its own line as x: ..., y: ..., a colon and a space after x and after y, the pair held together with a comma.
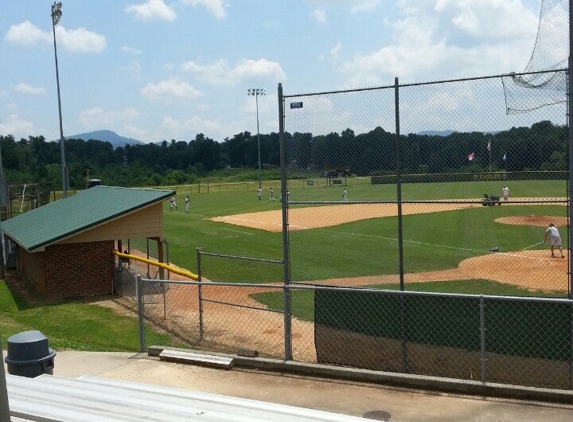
x: 184, y: 273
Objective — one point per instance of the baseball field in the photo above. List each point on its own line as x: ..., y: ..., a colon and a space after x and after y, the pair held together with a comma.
x: 447, y: 234
x: 451, y: 243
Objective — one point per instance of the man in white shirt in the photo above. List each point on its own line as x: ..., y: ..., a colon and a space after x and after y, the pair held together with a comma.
x: 554, y: 239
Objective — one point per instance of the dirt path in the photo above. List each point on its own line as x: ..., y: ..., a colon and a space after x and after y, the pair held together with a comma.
x: 332, y: 215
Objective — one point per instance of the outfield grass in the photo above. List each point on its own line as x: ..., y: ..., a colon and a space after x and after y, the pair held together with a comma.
x: 434, y: 241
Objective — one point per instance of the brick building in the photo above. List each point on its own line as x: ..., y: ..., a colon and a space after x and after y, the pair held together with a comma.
x: 65, y: 249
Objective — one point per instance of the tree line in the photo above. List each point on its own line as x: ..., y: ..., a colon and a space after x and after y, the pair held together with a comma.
x: 541, y: 147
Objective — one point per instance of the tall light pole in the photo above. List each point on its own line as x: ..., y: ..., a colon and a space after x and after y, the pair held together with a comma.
x: 256, y: 92
x: 56, y: 15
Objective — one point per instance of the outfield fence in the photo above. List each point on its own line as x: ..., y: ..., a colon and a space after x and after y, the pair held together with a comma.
x: 506, y: 340
x: 316, y: 179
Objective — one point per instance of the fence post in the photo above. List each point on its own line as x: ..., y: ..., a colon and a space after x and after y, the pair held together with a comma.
x: 140, y: 312
x: 482, y: 338
x: 400, y: 228
x: 147, y: 255
x: 284, y: 205
x: 166, y: 247
x: 199, y: 292
x: 571, y: 346
x: 570, y: 147
x: 4, y: 405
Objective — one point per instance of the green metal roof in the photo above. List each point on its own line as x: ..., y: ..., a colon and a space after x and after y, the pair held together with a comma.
x: 77, y: 213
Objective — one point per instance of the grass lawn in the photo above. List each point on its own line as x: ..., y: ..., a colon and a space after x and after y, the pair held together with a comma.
x: 432, y: 241
x: 70, y: 325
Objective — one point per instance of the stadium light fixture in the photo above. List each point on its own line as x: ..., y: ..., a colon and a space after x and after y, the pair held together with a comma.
x: 256, y: 92
x: 56, y: 16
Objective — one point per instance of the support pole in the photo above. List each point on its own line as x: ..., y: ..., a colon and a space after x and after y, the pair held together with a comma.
x: 400, y: 228
x: 284, y: 205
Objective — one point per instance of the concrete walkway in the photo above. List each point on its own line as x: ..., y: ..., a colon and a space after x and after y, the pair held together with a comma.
x: 357, y: 399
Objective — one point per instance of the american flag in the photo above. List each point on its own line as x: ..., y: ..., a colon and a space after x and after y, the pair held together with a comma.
x: 489, y: 146
x: 471, y: 156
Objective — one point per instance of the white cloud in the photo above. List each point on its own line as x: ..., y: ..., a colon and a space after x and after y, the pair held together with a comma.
x: 319, y: 15
x: 133, y: 69
x: 97, y: 117
x: 26, y: 33
x: 219, y: 72
x: 335, y: 51
x: 448, y: 38
x: 487, y: 18
x: 215, y: 7
x: 169, y: 89
x: 198, y: 125
x: 76, y: 40
x: 249, y: 68
x: 130, y: 50
x: 14, y: 125
x: 29, y: 89
x: 364, y: 6
x: 80, y: 40
x: 124, y: 121
x: 134, y: 131
x: 189, y: 128
x: 152, y: 10
x: 216, y: 73
x: 356, y: 6
x: 170, y: 123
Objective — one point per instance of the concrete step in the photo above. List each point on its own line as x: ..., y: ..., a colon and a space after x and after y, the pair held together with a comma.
x: 219, y: 362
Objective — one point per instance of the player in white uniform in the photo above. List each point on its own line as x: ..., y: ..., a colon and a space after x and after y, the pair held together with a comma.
x: 554, y: 239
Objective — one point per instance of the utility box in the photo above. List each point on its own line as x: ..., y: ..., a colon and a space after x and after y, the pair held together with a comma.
x: 28, y: 355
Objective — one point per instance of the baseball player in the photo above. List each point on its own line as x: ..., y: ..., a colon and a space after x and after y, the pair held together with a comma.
x: 554, y: 239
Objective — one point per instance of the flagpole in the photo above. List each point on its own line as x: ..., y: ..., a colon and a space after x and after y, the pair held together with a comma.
x: 489, y: 151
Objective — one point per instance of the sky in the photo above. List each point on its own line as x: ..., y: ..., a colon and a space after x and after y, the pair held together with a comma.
x: 158, y: 70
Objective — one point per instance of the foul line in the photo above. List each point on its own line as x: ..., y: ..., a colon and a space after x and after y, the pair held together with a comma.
x: 245, y: 220
x: 479, y: 251
x: 237, y: 231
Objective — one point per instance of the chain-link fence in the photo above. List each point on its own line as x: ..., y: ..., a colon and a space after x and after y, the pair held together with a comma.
x: 509, y: 340
x: 428, y: 186
x: 419, y: 237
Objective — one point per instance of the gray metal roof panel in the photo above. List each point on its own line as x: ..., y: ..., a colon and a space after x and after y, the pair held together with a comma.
x: 98, y: 399
x: 74, y: 214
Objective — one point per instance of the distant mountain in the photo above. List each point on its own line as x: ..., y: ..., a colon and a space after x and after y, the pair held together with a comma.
x: 436, y: 132
x: 106, y: 136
